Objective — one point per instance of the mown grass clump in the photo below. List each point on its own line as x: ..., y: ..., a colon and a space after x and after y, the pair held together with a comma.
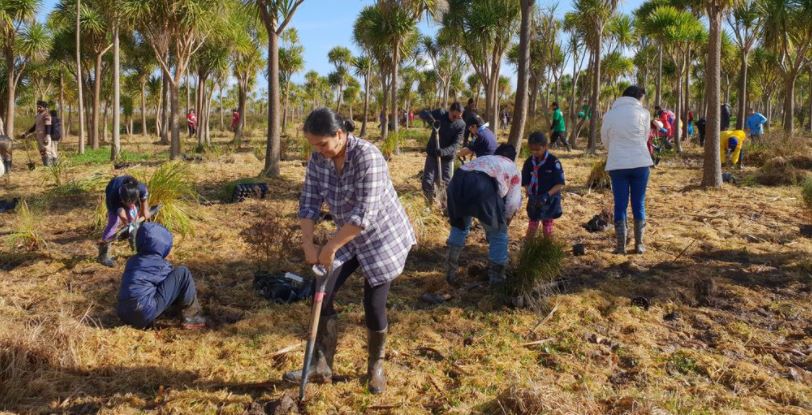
x: 426, y: 222
x: 539, y: 264
x: 598, y: 177
x: 171, y: 186
x: 806, y: 192
x: 780, y: 171
x: 390, y: 145
x: 102, y: 156
x: 26, y: 235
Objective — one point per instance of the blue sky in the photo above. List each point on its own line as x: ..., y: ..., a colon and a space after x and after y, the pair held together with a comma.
x: 324, y: 24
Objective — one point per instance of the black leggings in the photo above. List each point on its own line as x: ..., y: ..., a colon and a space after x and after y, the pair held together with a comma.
x: 374, y: 297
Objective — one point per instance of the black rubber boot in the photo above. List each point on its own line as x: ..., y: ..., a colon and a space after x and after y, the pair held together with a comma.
x: 193, y: 318
x: 321, y: 369
x: 496, y: 273
x: 376, y: 347
x: 7, y: 165
x: 620, y: 236
x: 104, y: 255
x: 452, y: 264
x: 639, y: 227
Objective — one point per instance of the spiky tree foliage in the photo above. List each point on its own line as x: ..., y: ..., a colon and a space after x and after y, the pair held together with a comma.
x: 676, y: 30
x: 276, y: 15
x: 175, y: 29
x: 788, y: 34
x: 574, y: 25
x: 22, y: 41
x: 340, y: 58
x: 640, y: 15
x: 746, y: 22
x: 521, y: 104
x: 483, y: 29
x: 246, y: 60
x: 595, y: 15
x: 291, y: 61
x: 712, y: 169
x: 362, y: 65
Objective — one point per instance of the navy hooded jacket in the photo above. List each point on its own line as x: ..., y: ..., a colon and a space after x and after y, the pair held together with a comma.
x: 142, y: 274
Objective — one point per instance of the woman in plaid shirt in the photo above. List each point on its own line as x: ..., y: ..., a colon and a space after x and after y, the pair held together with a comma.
x: 374, y: 233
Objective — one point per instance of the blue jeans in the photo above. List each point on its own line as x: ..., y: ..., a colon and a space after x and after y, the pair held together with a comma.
x: 632, y: 181
x: 497, y: 240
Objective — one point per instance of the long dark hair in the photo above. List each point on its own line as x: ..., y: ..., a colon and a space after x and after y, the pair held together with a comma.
x: 324, y: 122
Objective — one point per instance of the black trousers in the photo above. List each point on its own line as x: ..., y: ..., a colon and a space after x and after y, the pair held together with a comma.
x: 374, y: 297
x: 430, y: 172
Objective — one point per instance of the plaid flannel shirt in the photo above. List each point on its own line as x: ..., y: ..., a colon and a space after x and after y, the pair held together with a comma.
x: 365, y: 197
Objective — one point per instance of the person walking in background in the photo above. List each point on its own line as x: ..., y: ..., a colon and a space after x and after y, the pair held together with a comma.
x: 56, y: 131
x: 235, y: 120
x: 191, y: 122
x: 351, y: 176
x: 450, y: 131
x: 724, y: 117
x: 42, y: 130
x: 755, y: 124
x: 624, y: 133
x: 558, y: 127
x: 700, y: 128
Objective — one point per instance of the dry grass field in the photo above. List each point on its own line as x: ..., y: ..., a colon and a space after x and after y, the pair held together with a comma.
x: 727, y: 274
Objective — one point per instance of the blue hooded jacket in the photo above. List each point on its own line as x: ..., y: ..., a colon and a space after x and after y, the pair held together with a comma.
x: 142, y: 274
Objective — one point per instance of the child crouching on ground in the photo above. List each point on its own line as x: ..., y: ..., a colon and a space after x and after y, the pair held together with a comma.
x: 125, y: 199
x: 151, y: 285
x: 543, y: 177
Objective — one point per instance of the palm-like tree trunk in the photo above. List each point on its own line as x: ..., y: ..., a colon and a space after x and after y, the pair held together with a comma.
x: 79, y: 78
x: 366, y: 105
x: 742, y: 110
x: 394, y: 89
x: 144, y: 131
x: 165, y: 108
x: 97, y: 81
x: 115, y: 149
x: 789, y: 102
x: 11, y: 92
x: 712, y: 169
x: 174, y: 115
x: 272, y: 149
x: 520, y: 106
x: 596, y: 90
x: 658, y: 95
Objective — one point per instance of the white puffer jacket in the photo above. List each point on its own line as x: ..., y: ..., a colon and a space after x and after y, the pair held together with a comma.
x: 625, y: 133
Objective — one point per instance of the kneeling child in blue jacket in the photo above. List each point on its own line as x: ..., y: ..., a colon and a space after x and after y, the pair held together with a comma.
x: 151, y: 284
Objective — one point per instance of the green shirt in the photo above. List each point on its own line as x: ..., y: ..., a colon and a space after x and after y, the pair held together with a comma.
x: 558, y: 121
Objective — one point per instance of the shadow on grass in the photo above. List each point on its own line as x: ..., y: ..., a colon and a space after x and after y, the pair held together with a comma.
x: 147, y: 387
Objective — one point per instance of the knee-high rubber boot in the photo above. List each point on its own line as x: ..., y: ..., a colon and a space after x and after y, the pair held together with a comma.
x: 7, y: 165
x: 104, y: 255
x: 496, y: 273
x: 376, y: 346
x: 639, y: 227
x: 452, y: 264
x: 620, y: 235
x: 321, y: 368
x: 193, y: 318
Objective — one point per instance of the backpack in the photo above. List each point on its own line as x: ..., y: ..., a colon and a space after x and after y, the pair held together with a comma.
x: 56, y: 129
